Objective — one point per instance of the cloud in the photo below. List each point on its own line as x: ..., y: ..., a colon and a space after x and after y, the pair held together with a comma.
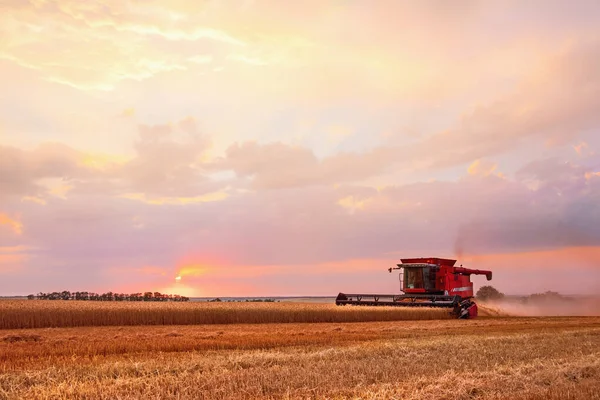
x: 558, y: 211
x: 60, y: 191
x: 20, y: 170
x: 102, y: 162
x: 550, y: 106
x: 215, y: 196
x: 169, y: 166
x: 34, y: 199
x: 592, y: 175
x: 168, y: 162
x: 49, y: 169
x: 338, y: 133
x: 95, y: 47
x: 272, y: 165
x: 128, y: 112
x: 351, y: 204
x: 201, y: 59
x: 482, y: 168
x: 554, y: 103
x: 247, y: 60
x: 277, y: 165
x: 15, y: 225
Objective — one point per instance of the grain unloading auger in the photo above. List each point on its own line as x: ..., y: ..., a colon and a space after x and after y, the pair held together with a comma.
x: 427, y: 282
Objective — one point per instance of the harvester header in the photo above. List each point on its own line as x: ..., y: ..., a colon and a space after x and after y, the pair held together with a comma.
x: 427, y: 282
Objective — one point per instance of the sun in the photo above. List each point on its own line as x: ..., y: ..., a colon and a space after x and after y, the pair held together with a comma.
x: 178, y: 278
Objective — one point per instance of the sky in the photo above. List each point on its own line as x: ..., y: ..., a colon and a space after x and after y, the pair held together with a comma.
x: 273, y: 148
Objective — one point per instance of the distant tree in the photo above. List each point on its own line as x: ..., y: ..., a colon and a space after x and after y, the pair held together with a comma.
x: 489, y: 293
x: 548, y: 296
x: 108, y: 296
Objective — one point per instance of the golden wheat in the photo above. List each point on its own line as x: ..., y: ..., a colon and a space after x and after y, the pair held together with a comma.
x: 17, y: 314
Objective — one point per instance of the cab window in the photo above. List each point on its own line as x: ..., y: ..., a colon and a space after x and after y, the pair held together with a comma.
x: 414, y: 278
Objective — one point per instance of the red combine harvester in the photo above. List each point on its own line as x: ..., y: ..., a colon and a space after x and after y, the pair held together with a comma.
x: 427, y: 282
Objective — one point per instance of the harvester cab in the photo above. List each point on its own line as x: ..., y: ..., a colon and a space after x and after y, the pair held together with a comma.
x: 427, y: 282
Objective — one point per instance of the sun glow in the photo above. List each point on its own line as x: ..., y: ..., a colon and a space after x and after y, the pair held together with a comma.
x: 182, y: 290
x: 191, y: 270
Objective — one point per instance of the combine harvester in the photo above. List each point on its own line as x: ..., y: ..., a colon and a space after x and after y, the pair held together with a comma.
x: 426, y: 282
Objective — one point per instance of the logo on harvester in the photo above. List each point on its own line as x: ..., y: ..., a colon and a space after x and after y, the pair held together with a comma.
x: 461, y: 289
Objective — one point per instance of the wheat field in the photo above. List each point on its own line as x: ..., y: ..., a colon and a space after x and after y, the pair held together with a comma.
x: 17, y: 314
x: 83, y: 350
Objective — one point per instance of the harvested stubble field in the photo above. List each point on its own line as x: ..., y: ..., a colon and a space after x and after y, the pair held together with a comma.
x: 487, y: 358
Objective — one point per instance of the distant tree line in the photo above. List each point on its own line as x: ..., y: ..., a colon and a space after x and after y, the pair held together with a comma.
x: 548, y: 296
x: 217, y: 300
x: 109, y: 296
x: 489, y: 293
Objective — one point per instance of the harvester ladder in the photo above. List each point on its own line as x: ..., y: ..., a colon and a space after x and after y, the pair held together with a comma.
x: 401, y: 279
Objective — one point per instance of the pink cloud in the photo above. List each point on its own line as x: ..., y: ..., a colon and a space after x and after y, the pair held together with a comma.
x: 11, y: 223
